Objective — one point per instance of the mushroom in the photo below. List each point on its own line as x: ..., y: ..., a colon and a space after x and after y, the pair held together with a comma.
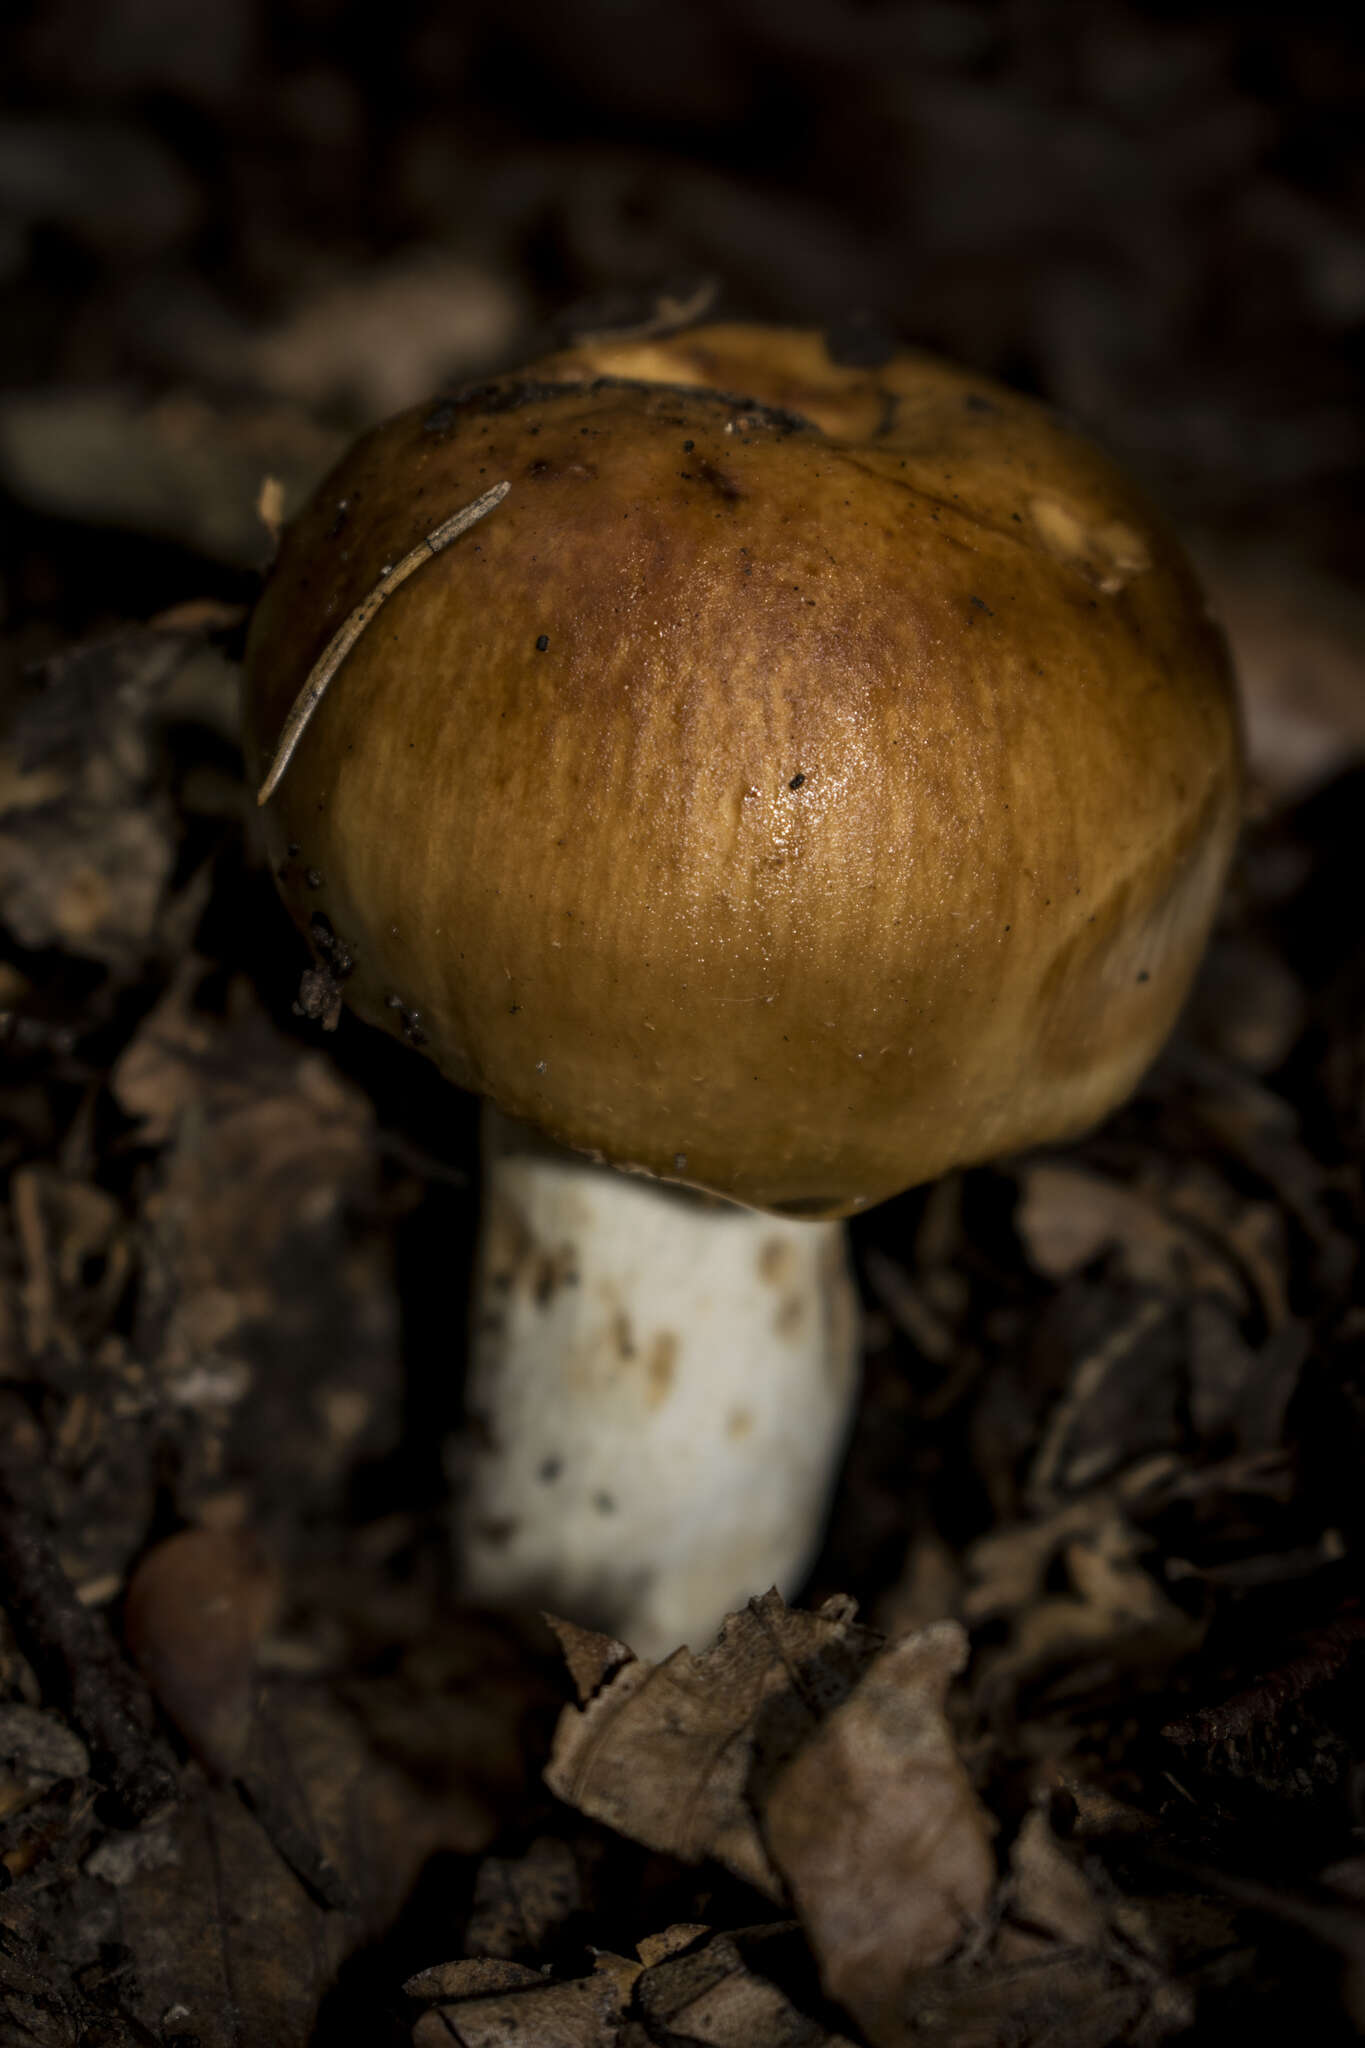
x: 807, y: 779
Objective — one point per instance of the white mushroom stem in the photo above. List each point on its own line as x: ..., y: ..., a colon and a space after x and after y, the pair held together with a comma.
x: 660, y: 1392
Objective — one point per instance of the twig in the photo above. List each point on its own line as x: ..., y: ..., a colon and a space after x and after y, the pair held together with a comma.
x: 313, y: 1869
x: 1320, y: 1656
x: 351, y: 628
x: 76, y: 1660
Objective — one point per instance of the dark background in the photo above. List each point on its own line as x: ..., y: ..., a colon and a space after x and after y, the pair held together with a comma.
x: 1152, y: 216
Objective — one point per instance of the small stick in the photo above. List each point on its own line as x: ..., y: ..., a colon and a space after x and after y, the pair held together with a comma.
x: 351, y: 628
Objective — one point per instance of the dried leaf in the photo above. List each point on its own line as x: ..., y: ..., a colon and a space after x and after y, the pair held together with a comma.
x: 877, y: 1833
x: 592, y: 1657
x: 1048, y: 1898
x: 657, y: 1948
x: 196, y: 1609
x: 583, y: 2013
x: 214, y: 1908
x: 1109, y: 1607
x: 1123, y: 1397
x: 224, y: 1932
x: 729, y: 1993
x: 1063, y: 1999
x: 1068, y: 1215
x: 666, y: 1753
x: 473, y: 1977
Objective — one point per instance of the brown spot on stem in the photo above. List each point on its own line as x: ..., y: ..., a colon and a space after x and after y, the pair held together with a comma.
x: 662, y: 1365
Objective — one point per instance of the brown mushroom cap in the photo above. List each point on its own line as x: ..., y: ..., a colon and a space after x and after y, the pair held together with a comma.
x: 807, y: 780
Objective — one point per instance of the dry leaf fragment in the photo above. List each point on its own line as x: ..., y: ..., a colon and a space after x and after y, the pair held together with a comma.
x: 592, y: 1657
x: 1064, y: 1999
x: 586, y: 2012
x: 729, y: 1994
x: 878, y: 1834
x: 472, y: 1977
x: 657, y: 1948
x: 666, y: 1753
x: 1068, y: 1215
x: 1109, y: 1607
x: 1070, y: 1965
x: 1049, y: 1898
x: 1124, y: 1392
x: 196, y: 1610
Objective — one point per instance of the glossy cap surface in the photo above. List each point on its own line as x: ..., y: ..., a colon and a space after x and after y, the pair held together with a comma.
x: 807, y: 780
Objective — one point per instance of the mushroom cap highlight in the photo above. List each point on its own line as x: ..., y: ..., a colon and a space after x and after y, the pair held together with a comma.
x: 809, y: 779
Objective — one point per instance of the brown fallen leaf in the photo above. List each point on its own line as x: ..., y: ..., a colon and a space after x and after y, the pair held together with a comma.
x: 731, y: 1991
x: 472, y: 1977
x: 1066, y: 1963
x: 1068, y: 1215
x: 1064, y: 1999
x: 666, y: 1753
x: 195, y: 1611
x: 878, y: 1834
x: 592, y: 1657
x: 221, y: 1900
x: 585, y: 2012
x: 225, y: 1936
x: 1048, y: 1897
x: 670, y: 1941
x: 1073, y: 1591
